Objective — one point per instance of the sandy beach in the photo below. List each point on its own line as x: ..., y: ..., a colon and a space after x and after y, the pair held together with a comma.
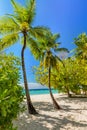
x: 73, y: 115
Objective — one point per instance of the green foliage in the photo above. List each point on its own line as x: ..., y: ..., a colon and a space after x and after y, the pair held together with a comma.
x: 48, y: 49
x: 48, y: 57
x: 10, y: 92
x: 68, y: 78
x: 8, y: 40
x: 24, y: 13
x: 72, y: 77
x: 41, y: 74
x: 20, y: 22
x: 81, y: 43
x: 20, y: 27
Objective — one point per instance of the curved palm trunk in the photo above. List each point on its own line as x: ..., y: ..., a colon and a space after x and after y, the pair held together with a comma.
x: 31, y: 109
x: 53, y: 99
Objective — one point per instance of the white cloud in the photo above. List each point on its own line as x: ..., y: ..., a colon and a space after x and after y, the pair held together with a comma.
x: 35, y: 86
x: 63, y: 54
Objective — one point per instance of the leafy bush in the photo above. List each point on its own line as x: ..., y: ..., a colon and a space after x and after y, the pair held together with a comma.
x: 69, y: 77
x: 10, y: 92
x: 72, y: 78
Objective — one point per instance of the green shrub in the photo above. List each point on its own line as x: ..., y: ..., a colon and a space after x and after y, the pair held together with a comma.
x: 11, y: 94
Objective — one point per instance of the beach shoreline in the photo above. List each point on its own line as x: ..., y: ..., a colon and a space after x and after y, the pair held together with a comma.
x: 72, y: 116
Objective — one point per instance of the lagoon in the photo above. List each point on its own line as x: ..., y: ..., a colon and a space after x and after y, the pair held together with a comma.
x: 40, y: 91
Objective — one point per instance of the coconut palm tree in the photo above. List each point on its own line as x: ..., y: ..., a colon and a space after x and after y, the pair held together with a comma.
x: 81, y: 46
x: 48, y: 47
x: 19, y: 25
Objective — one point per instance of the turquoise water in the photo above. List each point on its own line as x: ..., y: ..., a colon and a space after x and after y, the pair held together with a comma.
x: 40, y: 91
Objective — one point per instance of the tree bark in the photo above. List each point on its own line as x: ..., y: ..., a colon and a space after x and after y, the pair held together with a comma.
x: 31, y: 109
x: 67, y: 89
x: 52, y: 97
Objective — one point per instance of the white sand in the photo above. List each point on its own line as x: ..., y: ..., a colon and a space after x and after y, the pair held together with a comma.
x: 73, y: 115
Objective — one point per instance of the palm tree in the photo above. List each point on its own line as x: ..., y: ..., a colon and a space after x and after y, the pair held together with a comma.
x: 48, y: 58
x: 81, y: 46
x: 19, y: 25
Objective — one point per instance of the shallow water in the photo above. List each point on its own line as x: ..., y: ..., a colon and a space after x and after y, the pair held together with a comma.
x: 40, y: 91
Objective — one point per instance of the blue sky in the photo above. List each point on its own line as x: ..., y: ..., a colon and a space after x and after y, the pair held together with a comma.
x: 67, y: 17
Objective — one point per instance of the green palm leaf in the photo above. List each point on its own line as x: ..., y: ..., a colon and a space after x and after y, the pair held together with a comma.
x: 7, y: 25
x: 30, y: 8
x: 24, y: 13
x: 49, y: 47
x: 8, y: 40
x: 33, y: 45
x: 55, y: 37
x: 40, y: 32
x: 61, y: 49
x: 46, y: 62
x: 81, y: 43
x: 21, y: 21
x: 19, y: 11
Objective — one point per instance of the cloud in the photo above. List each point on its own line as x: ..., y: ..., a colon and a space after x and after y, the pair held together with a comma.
x: 35, y: 86
x: 63, y: 55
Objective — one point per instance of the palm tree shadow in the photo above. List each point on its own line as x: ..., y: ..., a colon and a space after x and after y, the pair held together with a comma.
x: 72, y: 99
x: 45, y: 121
x: 58, y: 123
x: 44, y: 106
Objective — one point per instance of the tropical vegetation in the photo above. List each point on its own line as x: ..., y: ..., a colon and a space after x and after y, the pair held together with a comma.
x: 49, y: 60
x: 65, y: 74
x: 81, y: 46
x: 19, y: 25
x: 70, y: 76
x: 11, y: 95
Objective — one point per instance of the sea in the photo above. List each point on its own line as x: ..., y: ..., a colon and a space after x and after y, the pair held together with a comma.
x: 40, y: 91
x: 37, y: 89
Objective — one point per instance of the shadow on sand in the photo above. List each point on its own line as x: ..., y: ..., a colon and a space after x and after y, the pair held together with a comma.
x: 47, y: 122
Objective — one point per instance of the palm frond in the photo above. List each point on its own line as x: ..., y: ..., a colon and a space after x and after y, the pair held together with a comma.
x: 7, y: 25
x: 60, y: 60
x: 53, y: 61
x: 14, y: 19
x: 15, y: 5
x: 8, y: 40
x: 56, y: 37
x: 33, y: 45
x: 61, y: 49
x: 73, y: 51
x: 40, y: 32
x: 30, y: 8
x: 46, y: 61
x: 19, y: 11
x: 81, y: 45
x: 24, y: 13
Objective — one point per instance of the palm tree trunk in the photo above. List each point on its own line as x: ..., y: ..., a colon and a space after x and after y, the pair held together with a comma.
x: 31, y: 109
x: 52, y: 97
